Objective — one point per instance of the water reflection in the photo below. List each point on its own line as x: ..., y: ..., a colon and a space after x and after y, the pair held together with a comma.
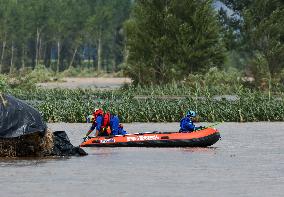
x: 211, y: 150
x: 103, y: 152
x: 28, y: 161
x: 108, y: 151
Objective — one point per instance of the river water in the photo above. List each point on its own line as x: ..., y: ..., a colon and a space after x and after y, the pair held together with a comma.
x: 247, y: 161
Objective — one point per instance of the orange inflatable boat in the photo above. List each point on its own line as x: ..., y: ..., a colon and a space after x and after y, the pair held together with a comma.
x: 201, y: 138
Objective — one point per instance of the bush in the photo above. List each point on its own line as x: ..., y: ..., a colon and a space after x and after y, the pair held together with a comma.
x: 216, y: 81
x: 26, y: 79
x: 260, y: 71
x: 41, y: 74
x: 4, y: 87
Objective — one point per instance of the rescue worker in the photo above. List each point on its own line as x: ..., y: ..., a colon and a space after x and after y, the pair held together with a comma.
x: 115, y: 126
x: 105, y: 124
x: 97, y: 120
x: 186, y: 123
x: 121, y: 131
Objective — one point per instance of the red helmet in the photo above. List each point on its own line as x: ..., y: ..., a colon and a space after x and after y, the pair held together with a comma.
x: 98, y: 112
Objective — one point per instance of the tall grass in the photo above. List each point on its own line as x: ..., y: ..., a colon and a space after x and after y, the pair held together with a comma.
x: 216, y: 96
x: 75, y: 105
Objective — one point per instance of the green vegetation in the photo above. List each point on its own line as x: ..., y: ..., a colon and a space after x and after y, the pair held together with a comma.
x: 168, y: 39
x: 215, y: 96
x: 62, y: 34
x: 152, y: 41
x: 75, y: 105
x: 255, y: 34
x: 181, y: 54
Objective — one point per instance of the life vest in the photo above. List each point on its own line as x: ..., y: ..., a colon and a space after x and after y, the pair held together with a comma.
x: 106, y: 121
x: 105, y: 128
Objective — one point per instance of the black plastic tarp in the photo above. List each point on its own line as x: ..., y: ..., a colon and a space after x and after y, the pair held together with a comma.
x: 63, y: 147
x: 18, y: 118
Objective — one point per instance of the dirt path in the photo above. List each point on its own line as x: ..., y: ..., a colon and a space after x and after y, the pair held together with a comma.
x: 72, y: 83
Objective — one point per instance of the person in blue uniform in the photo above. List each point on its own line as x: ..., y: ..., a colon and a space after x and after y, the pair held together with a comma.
x: 121, y: 131
x: 116, y: 127
x: 114, y: 124
x: 186, y: 123
x: 105, y: 124
x: 97, y: 122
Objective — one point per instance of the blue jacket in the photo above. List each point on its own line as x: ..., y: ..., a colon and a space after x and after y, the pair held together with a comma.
x: 114, y: 124
x: 98, y: 123
x: 186, y: 125
x: 121, y: 131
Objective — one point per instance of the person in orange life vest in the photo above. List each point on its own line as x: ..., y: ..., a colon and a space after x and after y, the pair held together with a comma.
x: 105, y: 124
x: 97, y: 119
x: 111, y: 125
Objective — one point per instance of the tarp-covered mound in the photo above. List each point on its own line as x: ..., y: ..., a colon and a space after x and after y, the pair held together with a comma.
x: 24, y: 133
x: 18, y: 119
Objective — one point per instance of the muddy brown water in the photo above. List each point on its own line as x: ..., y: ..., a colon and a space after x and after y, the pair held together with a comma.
x: 248, y: 161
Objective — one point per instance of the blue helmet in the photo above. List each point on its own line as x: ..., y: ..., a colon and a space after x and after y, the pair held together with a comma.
x: 191, y: 113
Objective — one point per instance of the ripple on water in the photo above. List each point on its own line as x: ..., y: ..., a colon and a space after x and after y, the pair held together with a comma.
x: 248, y: 161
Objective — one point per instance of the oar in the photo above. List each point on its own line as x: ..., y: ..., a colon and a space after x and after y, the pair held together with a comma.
x: 212, y: 125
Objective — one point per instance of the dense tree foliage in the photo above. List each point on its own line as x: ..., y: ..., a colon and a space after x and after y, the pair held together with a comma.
x: 61, y: 33
x: 257, y: 31
x: 264, y: 31
x: 162, y: 40
x: 168, y: 39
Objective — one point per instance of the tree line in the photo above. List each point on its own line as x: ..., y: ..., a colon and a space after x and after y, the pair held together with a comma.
x: 168, y: 39
x: 153, y: 41
x: 61, y: 33
x: 255, y: 32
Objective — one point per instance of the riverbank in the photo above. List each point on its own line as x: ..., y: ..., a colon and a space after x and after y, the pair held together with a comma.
x: 87, y: 83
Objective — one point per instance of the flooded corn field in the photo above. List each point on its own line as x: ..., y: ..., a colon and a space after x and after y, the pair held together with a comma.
x: 247, y: 161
